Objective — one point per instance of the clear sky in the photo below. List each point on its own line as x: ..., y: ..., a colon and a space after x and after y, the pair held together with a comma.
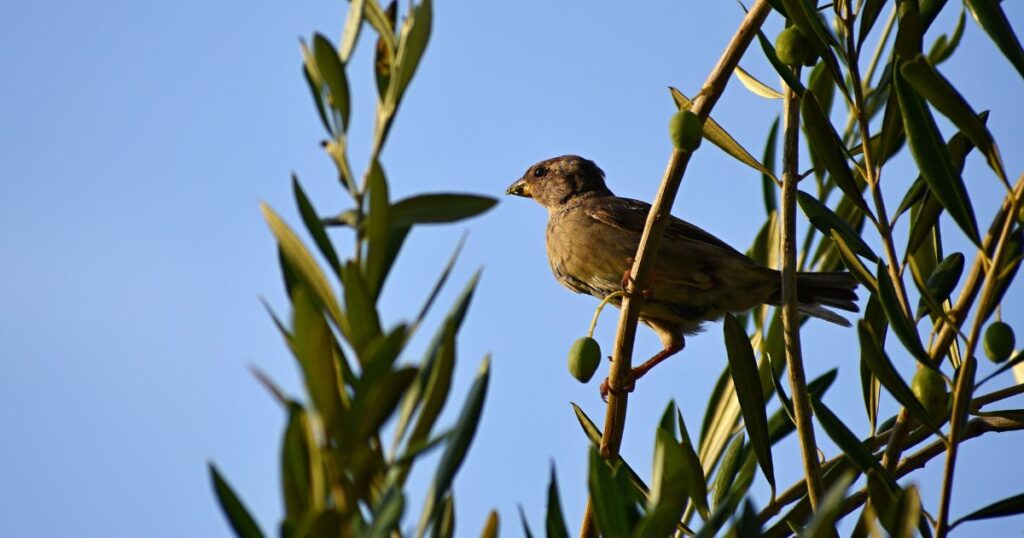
x: 137, y: 139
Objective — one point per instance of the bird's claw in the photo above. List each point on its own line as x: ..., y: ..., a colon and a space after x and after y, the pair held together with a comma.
x: 606, y: 387
x: 627, y: 283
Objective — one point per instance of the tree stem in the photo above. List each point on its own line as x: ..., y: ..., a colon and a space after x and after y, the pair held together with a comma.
x: 657, y: 220
x: 790, y: 312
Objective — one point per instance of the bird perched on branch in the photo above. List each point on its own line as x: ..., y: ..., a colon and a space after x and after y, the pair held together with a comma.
x: 592, y: 236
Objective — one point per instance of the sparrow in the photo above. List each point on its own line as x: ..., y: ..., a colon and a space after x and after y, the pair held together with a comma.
x: 592, y: 236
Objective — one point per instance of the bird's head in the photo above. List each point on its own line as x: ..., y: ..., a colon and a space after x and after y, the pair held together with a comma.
x: 555, y: 181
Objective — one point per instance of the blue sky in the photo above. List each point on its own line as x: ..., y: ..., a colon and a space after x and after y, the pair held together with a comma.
x: 136, y: 144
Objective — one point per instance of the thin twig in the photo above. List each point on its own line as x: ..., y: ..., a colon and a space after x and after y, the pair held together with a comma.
x: 965, y: 379
x: 975, y: 428
x: 965, y: 301
x: 798, y: 490
x: 657, y: 220
x: 790, y: 313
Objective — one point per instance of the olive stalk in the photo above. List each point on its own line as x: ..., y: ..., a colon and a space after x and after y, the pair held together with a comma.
x: 654, y: 228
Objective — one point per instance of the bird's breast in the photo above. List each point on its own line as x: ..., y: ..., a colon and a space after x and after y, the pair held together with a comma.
x: 584, y: 256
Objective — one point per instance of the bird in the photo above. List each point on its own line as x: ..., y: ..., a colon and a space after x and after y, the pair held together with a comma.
x: 592, y: 236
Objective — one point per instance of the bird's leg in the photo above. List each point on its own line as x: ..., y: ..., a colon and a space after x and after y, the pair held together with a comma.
x: 673, y: 343
x: 639, y: 371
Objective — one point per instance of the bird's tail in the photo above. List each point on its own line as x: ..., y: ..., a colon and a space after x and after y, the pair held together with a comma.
x: 816, y: 291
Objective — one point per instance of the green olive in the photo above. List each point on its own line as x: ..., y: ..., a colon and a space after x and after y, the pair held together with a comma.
x: 584, y: 358
x: 930, y: 389
x: 999, y: 341
x: 685, y: 130
x: 793, y: 49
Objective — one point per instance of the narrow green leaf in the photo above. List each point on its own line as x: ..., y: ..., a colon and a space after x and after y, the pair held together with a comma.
x: 362, y: 313
x: 934, y: 160
x: 884, y: 497
x: 378, y: 231
x: 745, y: 376
x: 909, y: 31
x: 414, y: 397
x: 332, y: 72
x: 927, y: 217
x: 917, y: 192
x: 1008, y: 264
x: 806, y: 18
x: 787, y: 75
x: 441, y: 279
x: 444, y: 523
x: 436, y: 393
x: 902, y: 326
x: 609, y: 503
x: 302, y: 476
x: 376, y: 399
x: 238, y: 516
x: 527, y: 533
x: 669, y: 486
x: 781, y: 424
x: 822, y: 524
x: 887, y: 375
x: 820, y: 83
x: 350, y: 33
x: 304, y: 266
x: 944, y: 48
x: 870, y: 387
x: 931, y: 85
x: 1008, y: 365
x: 853, y: 263
x: 748, y: 523
x: 438, y: 208
x: 727, y: 470
x: 755, y: 86
x: 697, y: 483
x: 909, y: 510
x: 942, y: 281
x: 554, y: 521
x: 594, y: 435
x: 990, y: 16
x: 314, y: 82
x: 780, y: 391
x: 828, y: 222
x: 826, y: 144
x: 412, y: 42
x: 490, y: 526
x: 868, y: 15
x: 458, y: 444
x: 851, y: 446
x: 314, y: 347
x: 387, y: 514
x: 768, y: 180
x: 715, y: 134
x: 315, y: 226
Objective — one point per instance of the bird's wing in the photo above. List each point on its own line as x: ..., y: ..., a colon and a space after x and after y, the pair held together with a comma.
x: 691, y: 250
x: 630, y: 215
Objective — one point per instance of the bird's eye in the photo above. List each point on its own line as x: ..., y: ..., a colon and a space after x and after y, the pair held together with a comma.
x: 540, y: 171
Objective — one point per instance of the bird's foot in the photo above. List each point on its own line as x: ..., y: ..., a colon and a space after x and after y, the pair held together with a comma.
x: 627, y: 283
x: 607, y: 388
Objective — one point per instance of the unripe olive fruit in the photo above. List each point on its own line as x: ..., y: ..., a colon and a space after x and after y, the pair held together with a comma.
x: 793, y: 49
x: 584, y: 357
x: 999, y: 341
x: 685, y: 130
x: 930, y: 389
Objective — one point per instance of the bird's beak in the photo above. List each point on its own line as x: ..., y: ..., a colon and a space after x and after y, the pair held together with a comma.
x: 519, y: 188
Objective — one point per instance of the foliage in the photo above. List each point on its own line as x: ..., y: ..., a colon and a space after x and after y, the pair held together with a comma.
x: 852, y: 229
x: 338, y: 477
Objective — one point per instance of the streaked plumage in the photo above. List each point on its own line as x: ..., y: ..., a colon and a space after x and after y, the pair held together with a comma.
x: 592, y: 235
